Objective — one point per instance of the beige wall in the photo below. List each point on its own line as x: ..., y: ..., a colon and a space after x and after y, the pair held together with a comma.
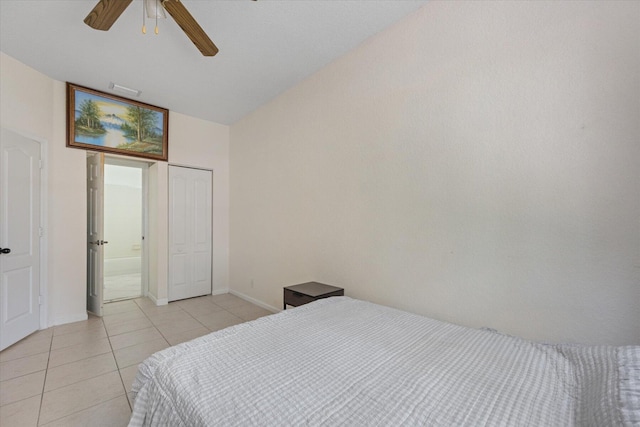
x: 478, y: 162
x: 34, y: 105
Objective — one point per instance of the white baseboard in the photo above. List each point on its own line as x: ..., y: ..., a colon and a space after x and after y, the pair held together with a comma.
x: 157, y: 301
x: 220, y: 291
x: 69, y: 319
x: 254, y: 301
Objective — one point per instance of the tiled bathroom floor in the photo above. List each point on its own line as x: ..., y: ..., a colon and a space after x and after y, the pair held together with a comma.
x: 122, y: 286
x: 80, y: 374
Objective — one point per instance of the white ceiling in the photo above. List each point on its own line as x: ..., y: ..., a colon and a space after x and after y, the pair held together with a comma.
x: 265, y: 47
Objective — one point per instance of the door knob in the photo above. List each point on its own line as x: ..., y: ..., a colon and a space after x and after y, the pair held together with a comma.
x: 103, y: 242
x: 5, y: 251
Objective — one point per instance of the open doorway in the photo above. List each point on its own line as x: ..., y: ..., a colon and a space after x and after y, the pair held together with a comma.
x: 124, y: 273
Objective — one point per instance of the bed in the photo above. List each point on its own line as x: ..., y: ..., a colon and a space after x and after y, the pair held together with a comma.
x: 342, y: 361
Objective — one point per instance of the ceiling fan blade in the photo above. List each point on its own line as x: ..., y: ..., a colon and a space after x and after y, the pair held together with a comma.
x: 190, y: 27
x: 105, y: 13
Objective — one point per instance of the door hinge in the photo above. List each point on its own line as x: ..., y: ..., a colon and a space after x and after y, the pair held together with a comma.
x: 41, y: 164
x: 40, y: 231
x: 39, y: 299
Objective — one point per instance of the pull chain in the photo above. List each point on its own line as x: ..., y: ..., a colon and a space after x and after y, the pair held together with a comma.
x: 145, y: 11
x: 144, y: 27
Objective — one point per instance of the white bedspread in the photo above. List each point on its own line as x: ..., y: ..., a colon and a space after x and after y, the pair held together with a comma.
x: 341, y: 361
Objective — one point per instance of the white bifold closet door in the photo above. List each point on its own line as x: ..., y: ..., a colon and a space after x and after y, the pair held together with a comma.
x: 190, y: 202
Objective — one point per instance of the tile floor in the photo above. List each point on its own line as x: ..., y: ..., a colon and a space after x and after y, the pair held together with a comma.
x: 80, y: 374
x: 122, y: 286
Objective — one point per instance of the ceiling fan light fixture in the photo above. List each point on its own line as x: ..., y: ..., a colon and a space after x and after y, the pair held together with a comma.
x: 106, y: 12
x: 154, y: 9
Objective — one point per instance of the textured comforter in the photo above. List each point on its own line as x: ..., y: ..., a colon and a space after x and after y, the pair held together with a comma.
x: 341, y: 361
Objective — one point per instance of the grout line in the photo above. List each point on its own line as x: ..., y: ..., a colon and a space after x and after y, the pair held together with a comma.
x: 74, y: 361
x: 188, y: 314
x: 99, y: 403
x: 46, y: 372
x: 113, y: 353
x: 151, y: 321
x: 84, y: 379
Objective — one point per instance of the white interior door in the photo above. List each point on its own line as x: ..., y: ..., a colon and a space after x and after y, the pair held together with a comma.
x: 190, y: 202
x: 95, y: 232
x: 19, y: 237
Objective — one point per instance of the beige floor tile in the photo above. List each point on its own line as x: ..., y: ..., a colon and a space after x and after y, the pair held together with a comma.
x: 201, y: 311
x: 126, y: 317
x: 112, y: 413
x: 134, y: 337
x: 79, y: 396
x: 21, y: 388
x: 219, y: 320
x: 119, y: 307
x: 80, y: 337
x: 82, y: 385
x: 130, y: 399
x: 160, y: 309
x: 202, y: 308
x: 168, y: 316
x: 218, y: 326
x: 78, y: 352
x: 38, y: 335
x: 194, y: 302
x: 249, y: 312
x: 189, y: 301
x: 144, y: 302
x: 41, y: 333
x: 128, y: 374
x: 68, y: 328
x: 21, y: 414
x: 26, y: 347
x: 177, y: 326
x: 227, y: 301
x: 137, y: 353
x: 74, y: 372
x: 23, y: 366
x: 181, y: 337
x: 222, y: 297
x: 132, y: 325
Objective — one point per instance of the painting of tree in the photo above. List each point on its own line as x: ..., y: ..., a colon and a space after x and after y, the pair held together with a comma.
x: 140, y: 123
x: 89, y: 119
x: 104, y: 122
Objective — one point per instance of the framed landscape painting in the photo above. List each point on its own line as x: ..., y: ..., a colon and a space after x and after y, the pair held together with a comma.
x: 103, y: 122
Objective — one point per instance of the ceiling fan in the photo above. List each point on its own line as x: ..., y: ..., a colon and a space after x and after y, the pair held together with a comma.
x: 106, y: 12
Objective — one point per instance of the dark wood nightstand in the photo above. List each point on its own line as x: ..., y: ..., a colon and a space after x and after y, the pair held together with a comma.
x: 305, y: 293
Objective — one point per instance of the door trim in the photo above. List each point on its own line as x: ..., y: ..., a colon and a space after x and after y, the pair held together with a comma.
x: 44, y: 212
